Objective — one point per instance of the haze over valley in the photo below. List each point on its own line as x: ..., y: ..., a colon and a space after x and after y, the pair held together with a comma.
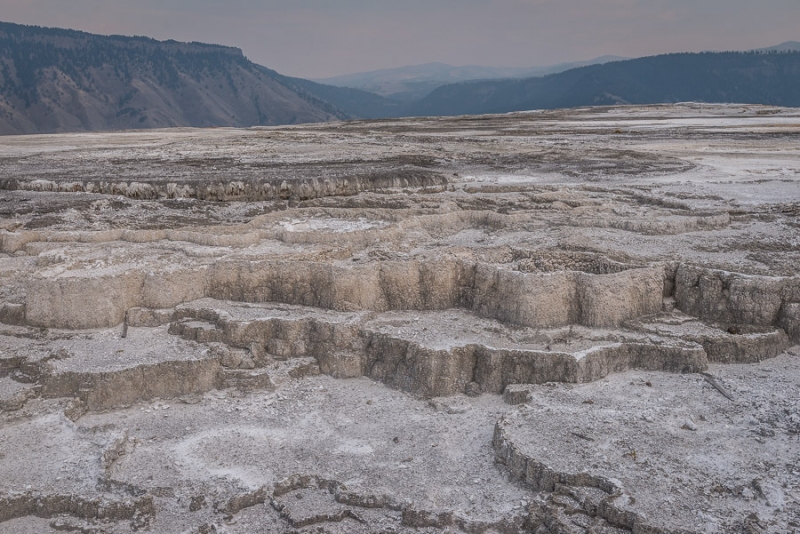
x: 54, y: 80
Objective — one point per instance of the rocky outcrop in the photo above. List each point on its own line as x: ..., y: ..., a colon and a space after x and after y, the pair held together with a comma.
x: 714, y: 295
x: 138, y: 511
x: 725, y: 297
x: 241, y: 339
x: 434, y: 373
x: 587, y: 495
x: 86, y: 300
x: 14, y: 395
x: 113, y: 389
x: 344, y: 347
x: 83, y: 302
x: 251, y: 191
x: 344, y: 503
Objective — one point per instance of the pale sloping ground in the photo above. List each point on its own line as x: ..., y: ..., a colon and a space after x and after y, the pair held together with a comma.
x: 564, y: 322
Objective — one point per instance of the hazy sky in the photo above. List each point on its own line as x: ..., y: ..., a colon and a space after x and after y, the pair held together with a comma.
x: 316, y: 38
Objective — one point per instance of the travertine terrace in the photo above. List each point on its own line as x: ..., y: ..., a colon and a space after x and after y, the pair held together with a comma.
x: 575, y: 321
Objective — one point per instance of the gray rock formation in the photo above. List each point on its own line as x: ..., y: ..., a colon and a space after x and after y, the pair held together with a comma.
x: 524, y: 323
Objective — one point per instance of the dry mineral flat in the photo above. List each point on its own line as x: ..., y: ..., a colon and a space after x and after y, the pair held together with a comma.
x: 580, y: 321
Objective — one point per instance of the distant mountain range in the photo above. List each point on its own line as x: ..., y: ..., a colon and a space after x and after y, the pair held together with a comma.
x: 743, y: 77
x: 352, y: 103
x: 414, y: 82
x: 54, y: 80
x: 408, y: 84
x: 788, y: 46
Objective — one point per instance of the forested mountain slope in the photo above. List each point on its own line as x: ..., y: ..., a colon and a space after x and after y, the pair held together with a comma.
x: 743, y: 77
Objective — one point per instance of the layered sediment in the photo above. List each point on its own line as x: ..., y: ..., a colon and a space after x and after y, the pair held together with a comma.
x: 535, y: 323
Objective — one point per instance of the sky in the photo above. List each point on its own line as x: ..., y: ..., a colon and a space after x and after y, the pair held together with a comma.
x: 320, y: 38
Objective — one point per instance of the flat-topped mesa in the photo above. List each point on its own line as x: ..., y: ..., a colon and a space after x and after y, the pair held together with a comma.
x: 82, y: 299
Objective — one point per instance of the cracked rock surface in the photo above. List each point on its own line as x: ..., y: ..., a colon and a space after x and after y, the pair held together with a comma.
x: 580, y: 321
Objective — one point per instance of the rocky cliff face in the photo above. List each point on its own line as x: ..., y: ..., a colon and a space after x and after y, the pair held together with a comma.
x: 54, y: 80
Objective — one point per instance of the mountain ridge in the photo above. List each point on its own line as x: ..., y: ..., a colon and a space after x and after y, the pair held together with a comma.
x: 54, y: 80
x: 412, y: 82
x: 716, y: 77
x: 786, y: 46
